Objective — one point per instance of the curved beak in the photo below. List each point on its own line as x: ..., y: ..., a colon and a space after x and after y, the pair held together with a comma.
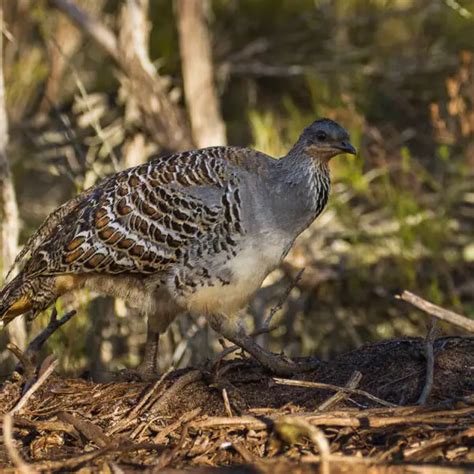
x: 346, y: 147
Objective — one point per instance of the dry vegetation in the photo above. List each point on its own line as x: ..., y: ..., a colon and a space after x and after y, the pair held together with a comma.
x: 356, y: 413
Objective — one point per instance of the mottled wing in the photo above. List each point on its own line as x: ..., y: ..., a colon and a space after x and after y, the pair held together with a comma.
x: 145, y: 219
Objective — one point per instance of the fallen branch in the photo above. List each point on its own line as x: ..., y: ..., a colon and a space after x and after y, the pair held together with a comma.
x: 437, y: 311
x: 54, y: 324
x: 327, y: 386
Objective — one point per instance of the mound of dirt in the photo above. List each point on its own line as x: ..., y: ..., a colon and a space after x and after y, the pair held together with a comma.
x: 236, y: 415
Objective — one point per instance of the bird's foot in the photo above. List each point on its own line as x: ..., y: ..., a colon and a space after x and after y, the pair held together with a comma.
x: 143, y: 373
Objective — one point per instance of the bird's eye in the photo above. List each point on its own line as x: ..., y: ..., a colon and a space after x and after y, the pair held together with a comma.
x: 321, y: 136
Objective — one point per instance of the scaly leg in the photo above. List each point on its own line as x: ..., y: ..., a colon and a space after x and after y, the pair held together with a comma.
x: 279, y: 364
x: 157, y: 323
x: 148, y: 367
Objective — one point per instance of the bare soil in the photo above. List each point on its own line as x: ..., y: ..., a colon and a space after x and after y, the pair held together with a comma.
x: 234, y: 416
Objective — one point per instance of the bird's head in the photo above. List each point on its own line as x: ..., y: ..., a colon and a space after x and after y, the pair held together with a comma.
x: 324, y: 139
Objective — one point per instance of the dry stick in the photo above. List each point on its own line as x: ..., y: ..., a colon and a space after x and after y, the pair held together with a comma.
x: 341, y: 395
x: 227, y: 407
x: 429, y: 340
x: 23, y: 359
x: 327, y: 386
x: 167, y: 430
x: 282, y: 299
x: 438, y: 312
x: 13, y: 453
x: 350, y: 420
x: 42, y: 378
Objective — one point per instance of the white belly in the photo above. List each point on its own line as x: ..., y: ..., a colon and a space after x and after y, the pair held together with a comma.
x: 246, y: 274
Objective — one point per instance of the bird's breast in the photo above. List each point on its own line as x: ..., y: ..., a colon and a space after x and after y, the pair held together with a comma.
x: 233, y: 283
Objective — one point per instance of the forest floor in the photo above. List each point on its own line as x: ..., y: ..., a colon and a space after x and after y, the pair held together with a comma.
x: 235, y: 417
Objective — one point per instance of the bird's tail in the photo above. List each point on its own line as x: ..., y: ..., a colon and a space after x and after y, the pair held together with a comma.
x: 24, y: 294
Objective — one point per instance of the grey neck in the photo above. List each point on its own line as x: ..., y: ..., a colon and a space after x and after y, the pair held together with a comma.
x: 303, y: 185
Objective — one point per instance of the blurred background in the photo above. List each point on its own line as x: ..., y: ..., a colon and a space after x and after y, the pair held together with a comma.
x: 95, y: 86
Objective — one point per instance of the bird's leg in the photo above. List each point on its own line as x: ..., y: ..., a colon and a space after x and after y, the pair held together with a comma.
x: 147, y: 370
x: 148, y: 367
x: 279, y: 364
x: 157, y: 323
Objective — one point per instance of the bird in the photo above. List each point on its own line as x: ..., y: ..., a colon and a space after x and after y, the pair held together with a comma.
x: 194, y: 231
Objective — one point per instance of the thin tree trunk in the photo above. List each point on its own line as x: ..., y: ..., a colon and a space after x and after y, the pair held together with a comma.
x: 207, y: 125
x: 10, y: 225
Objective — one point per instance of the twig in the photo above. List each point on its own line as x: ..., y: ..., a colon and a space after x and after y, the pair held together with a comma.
x: 437, y: 311
x: 42, y: 378
x: 91, y: 25
x: 54, y: 324
x: 429, y: 340
x: 13, y: 453
x: 282, y: 299
x: 23, y: 359
x: 227, y: 407
x: 186, y: 418
x: 327, y: 386
x: 353, y: 382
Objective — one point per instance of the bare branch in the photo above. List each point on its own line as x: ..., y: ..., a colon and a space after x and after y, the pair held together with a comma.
x: 438, y: 312
x: 54, y: 324
x: 102, y: 35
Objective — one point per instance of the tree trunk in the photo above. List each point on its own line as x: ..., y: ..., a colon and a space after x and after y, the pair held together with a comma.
x: 10, y: 225
x: 196, y: 62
